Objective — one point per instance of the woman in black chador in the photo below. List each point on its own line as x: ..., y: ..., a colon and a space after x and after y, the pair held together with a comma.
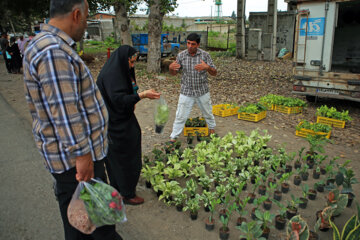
x: 15, y: 61
x: 118, y: 87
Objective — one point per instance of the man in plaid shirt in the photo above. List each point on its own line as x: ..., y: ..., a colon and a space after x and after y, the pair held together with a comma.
x: 69, y: 115
x: 195, y: 63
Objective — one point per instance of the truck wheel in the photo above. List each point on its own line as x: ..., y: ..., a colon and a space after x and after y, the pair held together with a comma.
x: 310, y: 98
x: 175, y: 51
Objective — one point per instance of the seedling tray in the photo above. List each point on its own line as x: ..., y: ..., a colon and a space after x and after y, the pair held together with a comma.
x: 304, y: 132
x: 224, y: 110
x: 331, y: 122
x: 251, y: 116
x: 288, y: 110
x: 203, y: 131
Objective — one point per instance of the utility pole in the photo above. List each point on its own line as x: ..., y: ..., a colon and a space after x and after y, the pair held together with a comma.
x: 240, y: 29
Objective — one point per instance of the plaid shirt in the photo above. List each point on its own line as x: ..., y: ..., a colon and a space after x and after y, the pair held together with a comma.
x: 68, y: 112
x: 194, y: 83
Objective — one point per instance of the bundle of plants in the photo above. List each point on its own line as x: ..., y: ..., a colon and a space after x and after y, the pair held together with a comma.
x: 316, y: 127
x: 281, y: 100
x: 161, y: 115
x: 252, y: 108
x: 325, y: 111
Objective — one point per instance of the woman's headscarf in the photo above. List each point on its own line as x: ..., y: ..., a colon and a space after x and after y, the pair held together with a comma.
x: 115, y: 83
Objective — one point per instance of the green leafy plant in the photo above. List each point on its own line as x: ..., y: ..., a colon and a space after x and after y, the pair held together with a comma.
x: 325, y: 111
x: 337, y: 201
x: 297, y: 229
x: 316, y: 127
x: 168, y: 191
x: 191, y: 187
x: 253, y: 108
x: 251, y: 231
x: 161, y: 114
x: 351, y: 230
x: 264, y: 218
x: 192, y: 204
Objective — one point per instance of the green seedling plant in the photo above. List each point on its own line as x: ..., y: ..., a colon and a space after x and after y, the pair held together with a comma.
x: 207, y: 197
x: 169, y: 189
x: 264, y: 219
x: 157, y: 182
x: 241, y: 207
x: 305, y: 190
x: 205, y: 182
x: 191, y: 187
x: 179, y: 197
x: 293, y: 203
x: 218, y: 176
x: 199, y: 171
x: 148, y: 172
x: 225, y: 219
x: 282, y: 209
x: 251, y: 231
x: 192, y: 204
x: 174, y: 172
x: 213, y: 203
x: 221, y: 191
x: 325, y: 111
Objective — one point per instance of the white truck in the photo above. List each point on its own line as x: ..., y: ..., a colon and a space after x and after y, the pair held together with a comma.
x: 327, y: 49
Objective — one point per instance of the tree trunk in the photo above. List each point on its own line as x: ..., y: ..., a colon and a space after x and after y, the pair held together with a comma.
x: 240, y: 29
x: 123, y: 23
x: 154, y: 45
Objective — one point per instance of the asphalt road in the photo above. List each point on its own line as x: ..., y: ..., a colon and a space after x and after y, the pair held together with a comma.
x: 28, y: 207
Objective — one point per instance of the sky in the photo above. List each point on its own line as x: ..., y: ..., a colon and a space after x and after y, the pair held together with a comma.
x: 199, y: 8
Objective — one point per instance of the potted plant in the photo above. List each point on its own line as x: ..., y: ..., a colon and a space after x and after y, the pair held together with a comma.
x: 316, y: 143
x: 241, y: 210
x: 312, y: 194
x: 303, y: 199
x: 323, y: 219
x: 337, y: 201
x: 316, y: 172
x: 251, y: 231
x: 264, y: 218
x: 297, y: 178
x: 346, y: 178
x: 168, y: 190
x: 292, y: 206
x: 148, y: 173
x: 297, y: 163
x: 350, y: 230
x: 257, y: 203
x: 252, y: 195
x: 191, y: 187
x: 205, y: 182
x: 210, y: 221
x: 207, y: 198
x: 280, y: 219
x: 297, y: 228
x: 304, y: 173
x: 319, y: 186
x: 224, y: 231
x: 283, y: 181
x: 193, y: 205
x: 161, y: 117
x: 179, y: 198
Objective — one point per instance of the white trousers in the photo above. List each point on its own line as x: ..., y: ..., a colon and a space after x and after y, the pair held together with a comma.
x: 184, y: 108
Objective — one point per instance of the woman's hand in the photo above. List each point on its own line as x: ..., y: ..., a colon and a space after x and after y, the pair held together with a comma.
x: 151, y: 94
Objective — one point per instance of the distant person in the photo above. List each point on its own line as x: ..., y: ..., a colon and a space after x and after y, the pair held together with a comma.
x: 69, y: 115
x: 21, y: 43
x: 15, y: 61
x: 117, y: 84
x: 194, y: 64
x: 4, y: 43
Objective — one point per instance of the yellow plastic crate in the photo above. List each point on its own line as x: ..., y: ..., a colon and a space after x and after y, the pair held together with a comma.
x: 288, y: 110
x: 331, y: 122
x: 222, y: 110
x: 304, y: 132
x: 204, y: 131
x: 269, y: 106
x: 252, y: 117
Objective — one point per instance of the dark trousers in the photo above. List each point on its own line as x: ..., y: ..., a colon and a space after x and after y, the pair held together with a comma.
x: 7, y: 62
x: 123, y: 169
x: 65, y: 186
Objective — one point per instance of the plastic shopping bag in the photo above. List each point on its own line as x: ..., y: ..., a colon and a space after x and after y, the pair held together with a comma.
x: 161, y: 115
x: 95, y: 204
